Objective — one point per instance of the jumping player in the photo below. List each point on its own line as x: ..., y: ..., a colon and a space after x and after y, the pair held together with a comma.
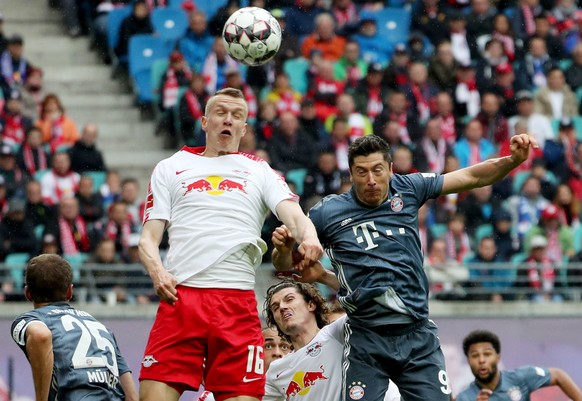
x: 371, y: 236
x: 213, y: 202
x: 72, y: 355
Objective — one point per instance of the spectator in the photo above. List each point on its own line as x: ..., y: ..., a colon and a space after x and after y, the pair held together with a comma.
x: 339, y: 141
x: 487, y: 65
x: 351, y: 67
x: 419, y: 92
x: 358, y: 124
x: 459, y: 38
x: 402, y: 162
x: 217, y: 22
x: 456, y: 238
x: 215, y: 66
x: 547, y: 179
x: 284, y: 96
x: 131, y: 197
x: 537, y: 278
x: 556, y: 99
x: 479, y: 23
x: 523, y: 21
x: 61, y: 181
x: 448, y: 121
x: 564, y: 18
x: 16, y: 231
x: 300, y: 18
x: 433, y: 149
x: 111, y: 189
x: 473, y: 148
x: 14, y: 67
x: 369, y: 93
x: 502, y: 32
x: 490, y: 281
x: 574, y: 72
x: 191, y: 109
x: 58, y: 130
x: 324, y: 39
x: 568, y: 206
x: 14, y: 178
x: 49, y: 245
x: 176, y: 77
x: 374, y: 48
x: 504, y: 86
x: 119, y: 227
x: 538, y: 125
x: 309, y: 122
x: 478, y: 208
x: 3, y: 39
x: 431, y: 20
x: 291, y: 148
x: 442, y: 68
x: 289, y: 48
x: 467, y: 98
x: 444, y: 274
x: 392, y: 134
x: 398, y: 111
x: 420, y: 49
x: 234, y: 80
x: 137, y: 23
x: 72, y: 234
x: 345, y: 13
x: 32, y: 155
x: 14, y: 124
x: 554, y: 43
x: 495, y: 125
x: 33, y: 94
x: 195, y: 45
x: 533, y: 70
x: 504, y: 242
x: 396, y: 73
x: 424, y: 231
x: 268, y: 120
x: 324, y: 179
x: 90, y: 202
x: 39, y: 213
x: 84, y: 154
x: 559, y: 237
x: 106, y: 275
x: 325, y: 90
x: 526, y: 206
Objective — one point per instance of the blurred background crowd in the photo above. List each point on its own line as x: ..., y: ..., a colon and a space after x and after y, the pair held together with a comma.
x: 446, y: 83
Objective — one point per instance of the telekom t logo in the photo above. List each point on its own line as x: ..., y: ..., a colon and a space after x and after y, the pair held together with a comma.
x: 369, y: 232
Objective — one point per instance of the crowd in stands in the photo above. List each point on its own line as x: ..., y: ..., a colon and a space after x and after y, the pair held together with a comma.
x: 471, y: 74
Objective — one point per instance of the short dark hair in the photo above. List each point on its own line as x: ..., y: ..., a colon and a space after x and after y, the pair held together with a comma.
x: 309, y: 293
x: 367, y: 145
x: 48, y: 278
x: 481, y: 336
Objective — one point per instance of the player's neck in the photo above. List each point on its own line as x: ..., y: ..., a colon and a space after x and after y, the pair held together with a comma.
x: 301, y: 339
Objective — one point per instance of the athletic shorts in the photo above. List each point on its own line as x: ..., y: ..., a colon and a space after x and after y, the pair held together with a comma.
x: 410, y: 355
x: 209, y: 334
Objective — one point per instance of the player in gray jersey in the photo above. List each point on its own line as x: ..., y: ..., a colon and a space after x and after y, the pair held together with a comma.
x: 371, y: 236
x: 483, y: 351
x: 72, y: 355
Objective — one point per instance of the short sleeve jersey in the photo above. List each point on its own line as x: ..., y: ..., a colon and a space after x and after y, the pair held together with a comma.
x: 87, y: 361
x: 514, y: 385
x: 376, y: 251
x: 215, y: 206
x: 312, y: 372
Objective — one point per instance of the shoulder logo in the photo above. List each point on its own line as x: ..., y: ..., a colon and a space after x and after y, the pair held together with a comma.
x: 539, y: 371
x: 16, y: 331
x: 396, y: 204
x: 148, y: 361
x: 514, y: 393
x: 314, y: 350
x: 345, y: 221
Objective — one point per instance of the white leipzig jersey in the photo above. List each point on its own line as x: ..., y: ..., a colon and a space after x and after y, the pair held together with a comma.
x: 215, y: 206
x: 314, y: 372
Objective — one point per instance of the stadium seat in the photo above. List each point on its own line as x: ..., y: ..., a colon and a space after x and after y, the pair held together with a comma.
x: 482, y: 231
x: 159, y: 67
x: 565, y: 64
x: 208, y: 7
x: 297, y: 177
x: 438, y: 230
x: 114, y: 20
x: 76, y: 261
x: 296, y: 70
x: 393, y: 24
x: 555, y: 126
x: 16, y: 263
x: 170, y: 23
x: 578, y: 239
x: 98, y: 177
x: 144, y: 50
x: 40, y: 173
x: 578, y: 127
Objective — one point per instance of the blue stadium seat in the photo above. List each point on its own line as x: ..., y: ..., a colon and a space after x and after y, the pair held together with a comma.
x: 158, y: 69
x: 578, y: 127
x: 98, y: 177
x: 169, y: 23
x: 144, y: 50
x: 565, y: 64
x: 578, y: 239
x: 208, y: 7
x: 38, y: 175
x: 482, y: 231
x: 114, y: 20
x: 297, y: 177
x: 438, y: 230
x: 296, y: 70
x: 394, y: 24
x: 16, y: 263
x: 76, y: 261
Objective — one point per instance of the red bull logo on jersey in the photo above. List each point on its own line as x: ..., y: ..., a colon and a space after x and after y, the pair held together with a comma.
x: 214, y: 185
x: 302, y: 382
x: 314, y: 350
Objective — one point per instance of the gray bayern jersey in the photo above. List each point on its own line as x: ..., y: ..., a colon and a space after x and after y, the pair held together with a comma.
x: 514, y: 385
x: 376, y: 251
x: 87, y: 361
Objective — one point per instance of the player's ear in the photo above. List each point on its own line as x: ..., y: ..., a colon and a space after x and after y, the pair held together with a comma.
x: 27, y: 293
x: 70, y: 292
x: 203, y: 123
x: 311, y: 306
x: 244, y: 130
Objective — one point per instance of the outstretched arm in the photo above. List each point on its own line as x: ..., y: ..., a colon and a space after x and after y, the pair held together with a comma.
x: 283, y: 242
x: 128, y: 386
x: 39, y: 348
x: 490, y: 171
x: 564, y: 381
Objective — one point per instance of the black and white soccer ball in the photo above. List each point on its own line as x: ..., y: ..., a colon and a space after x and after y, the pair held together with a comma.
x: 252, y: 36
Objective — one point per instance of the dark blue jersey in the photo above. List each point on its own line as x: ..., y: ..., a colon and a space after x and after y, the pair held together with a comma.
x: 514, y: 385
x: 87, y: 361
x: 376, y: 251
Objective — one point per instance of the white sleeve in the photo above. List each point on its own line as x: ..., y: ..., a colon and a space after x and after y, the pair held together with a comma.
x: 392, y: 394
x: 158, y: 200
x: 271, y: 392
x: 275, y: 189
x: 336, y: 329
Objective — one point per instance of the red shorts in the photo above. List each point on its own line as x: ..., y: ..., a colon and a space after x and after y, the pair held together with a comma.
x: 210, y: 334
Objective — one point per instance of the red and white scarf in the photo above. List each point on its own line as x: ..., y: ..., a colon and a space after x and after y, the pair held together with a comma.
x: 29, y: 161
x: 13, y: 131
x: 457, y: 246
x: 112, y: 231
x: 448, y: 129
x: 435, y: 154
x: 171, y: 87
x: 193, y: 105
x: 421, y: 103
x: 375, y: 105
x: 74, y: 238
x: 345, y: 16
x: 57, y: 132
x: 402, y: 120
x: 546, y: 280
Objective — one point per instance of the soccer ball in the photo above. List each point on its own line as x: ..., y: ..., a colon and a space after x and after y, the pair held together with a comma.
x: 252, y: 36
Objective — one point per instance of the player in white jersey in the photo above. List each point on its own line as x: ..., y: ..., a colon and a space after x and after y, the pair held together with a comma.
x: 313, y: 371
x: 213, y: 202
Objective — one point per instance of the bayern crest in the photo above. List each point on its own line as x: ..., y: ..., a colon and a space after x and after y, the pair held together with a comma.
x: 396, y: 204
x: 514, y: 394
